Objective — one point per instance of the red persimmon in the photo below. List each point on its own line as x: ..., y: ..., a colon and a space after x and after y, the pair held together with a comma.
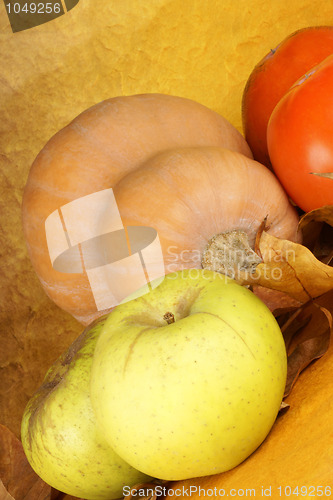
x: 300, y: 138
x: 274, y: 75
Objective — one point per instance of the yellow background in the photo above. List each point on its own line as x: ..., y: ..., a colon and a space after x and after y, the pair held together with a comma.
x: 201, y: 49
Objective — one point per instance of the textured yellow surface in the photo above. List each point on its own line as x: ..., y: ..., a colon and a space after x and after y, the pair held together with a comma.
x: 201, y: 49
x: 297, y: 453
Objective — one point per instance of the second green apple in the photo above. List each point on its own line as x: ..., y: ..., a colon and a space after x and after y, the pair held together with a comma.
x: 59, y: 434
x: 187, y: 380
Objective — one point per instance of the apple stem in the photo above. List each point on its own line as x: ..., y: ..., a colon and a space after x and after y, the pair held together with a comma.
x: 229, y: 253
x: 169, y: 318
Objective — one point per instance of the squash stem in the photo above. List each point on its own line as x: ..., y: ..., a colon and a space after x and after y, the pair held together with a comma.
x: 230, y: 253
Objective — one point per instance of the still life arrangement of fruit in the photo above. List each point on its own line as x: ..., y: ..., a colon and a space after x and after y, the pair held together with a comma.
x: 198, y: 262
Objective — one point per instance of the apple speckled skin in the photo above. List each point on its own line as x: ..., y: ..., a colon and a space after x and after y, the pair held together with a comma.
x: 59, y: 433
x: 194, y: 397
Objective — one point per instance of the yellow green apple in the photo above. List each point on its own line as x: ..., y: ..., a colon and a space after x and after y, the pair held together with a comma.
x: 187, y: 380
x: 59, y: 432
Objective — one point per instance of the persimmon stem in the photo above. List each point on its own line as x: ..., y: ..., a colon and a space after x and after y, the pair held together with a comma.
x: 169, y: 317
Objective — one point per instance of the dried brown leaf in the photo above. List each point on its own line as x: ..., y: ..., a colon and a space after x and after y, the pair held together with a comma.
x: 323, y: 214
x: 68, y: 497
x: 312, y: 234
x: 19, y: 479
x: 4, y: 495
x: 290, y: 268
x: 277, y: 302
x: 328, y: 258
x: 293, y: 325
x: 303, y: 355
x: 326, y: 301
x: 307, y: 335
x: 58, y: 495
x: 283, y: 408
x: 317, y: 231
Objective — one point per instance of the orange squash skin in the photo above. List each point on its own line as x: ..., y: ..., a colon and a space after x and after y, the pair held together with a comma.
x: 96, y: 151
x: 210, y: 191
x: 92, y: 153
